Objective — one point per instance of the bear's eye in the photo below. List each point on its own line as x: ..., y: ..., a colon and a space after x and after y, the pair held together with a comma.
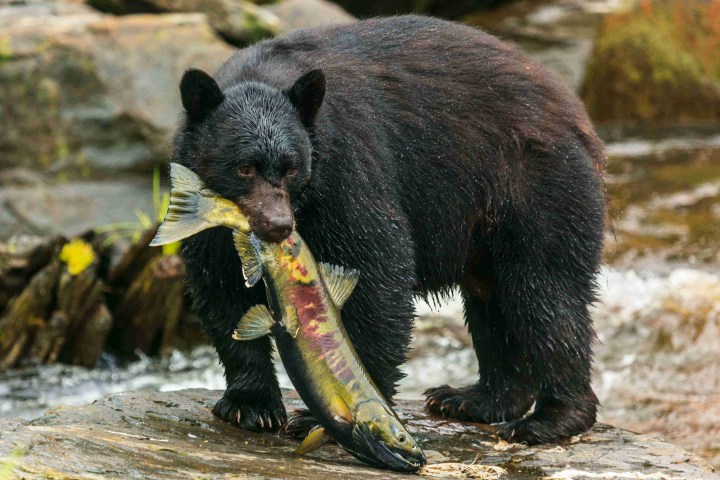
x: 292, y: 172
x: 246, y: 171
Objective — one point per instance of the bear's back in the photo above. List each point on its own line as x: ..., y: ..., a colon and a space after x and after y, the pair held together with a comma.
x: 401, y: 45
x: 387, y: 68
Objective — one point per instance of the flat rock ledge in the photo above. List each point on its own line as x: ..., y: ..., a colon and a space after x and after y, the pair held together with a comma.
x: 169, y: 435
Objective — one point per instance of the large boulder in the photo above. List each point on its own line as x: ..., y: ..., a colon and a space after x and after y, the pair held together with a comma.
x: 171, y: 435
x: 558, y: 34
x: 296, y: 14
x: 240, y: 22
x: 71, y: 208
x: 656, y: 64
x: 84, y: 92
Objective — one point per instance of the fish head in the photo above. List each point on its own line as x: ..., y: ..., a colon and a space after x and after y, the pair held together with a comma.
x: 380, y: 439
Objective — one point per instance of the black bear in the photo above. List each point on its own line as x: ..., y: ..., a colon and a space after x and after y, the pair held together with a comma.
x: 427, y: 155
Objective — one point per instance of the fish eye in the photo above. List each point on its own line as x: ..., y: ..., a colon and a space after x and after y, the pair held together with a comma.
x: 246, y: 171
x: 401, y: 437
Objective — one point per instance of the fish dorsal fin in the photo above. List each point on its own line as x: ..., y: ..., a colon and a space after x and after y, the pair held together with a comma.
x: 340, y: 282
x: 314, y: 440
x: 291, y: 321
x: 341, y: 409
x: 251, y: 264
x: 254, y: 324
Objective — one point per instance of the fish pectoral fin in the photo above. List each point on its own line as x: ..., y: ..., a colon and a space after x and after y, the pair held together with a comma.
x: 251, y: 263
x: 315, y: 439
x: 254, y: 324
x: 291, y: 321
x: 342, y: 409
x: 340, y: 282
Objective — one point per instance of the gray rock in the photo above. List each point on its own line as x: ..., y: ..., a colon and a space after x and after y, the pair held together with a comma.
x: 558, y: 34
x: 83, y: 92
x: 170, y: 435
x: 296, y: 14
x: 241, y: 22
x: 72, y: 208
x: 238, y: 21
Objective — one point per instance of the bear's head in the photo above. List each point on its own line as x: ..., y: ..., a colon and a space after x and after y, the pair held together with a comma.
x: 251, y: 144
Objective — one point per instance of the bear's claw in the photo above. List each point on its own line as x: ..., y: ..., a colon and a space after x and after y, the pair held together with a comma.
x: 250, y: 417
x: 472, y: 404
x: 299, y: 424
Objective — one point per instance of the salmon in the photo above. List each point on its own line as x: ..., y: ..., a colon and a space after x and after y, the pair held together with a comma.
x: 303, y: 315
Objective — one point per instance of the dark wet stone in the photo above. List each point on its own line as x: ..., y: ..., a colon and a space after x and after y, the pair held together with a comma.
x: 155, y: 435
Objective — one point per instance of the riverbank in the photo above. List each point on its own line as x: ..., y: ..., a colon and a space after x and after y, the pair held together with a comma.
x: 153, y: 435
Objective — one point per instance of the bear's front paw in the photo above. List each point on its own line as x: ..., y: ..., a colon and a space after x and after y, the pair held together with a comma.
x: 253, y: 417
x: 299, y: 424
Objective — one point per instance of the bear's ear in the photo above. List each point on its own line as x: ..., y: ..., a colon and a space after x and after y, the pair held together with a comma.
x: 307, y: 94
x: 200, y: 93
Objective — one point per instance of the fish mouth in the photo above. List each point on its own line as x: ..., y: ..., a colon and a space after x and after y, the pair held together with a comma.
x: 381, y: 454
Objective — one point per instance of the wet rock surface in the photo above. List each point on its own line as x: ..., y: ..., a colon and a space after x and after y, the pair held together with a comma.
x: 85, y: 93
x: 174, y: 435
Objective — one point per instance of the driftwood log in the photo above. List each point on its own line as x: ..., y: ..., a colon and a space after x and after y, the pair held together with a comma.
x: 150, y: 309
x: 65, y: 301
x: 20, y: 259
x: 133, y: 261
x: 87, y: 319
x: 26, y: 314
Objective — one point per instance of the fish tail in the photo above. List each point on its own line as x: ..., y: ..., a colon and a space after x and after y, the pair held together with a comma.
x: 183, y: 218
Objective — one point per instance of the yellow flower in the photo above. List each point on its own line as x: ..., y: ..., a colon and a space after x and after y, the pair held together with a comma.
x: 78, y: 255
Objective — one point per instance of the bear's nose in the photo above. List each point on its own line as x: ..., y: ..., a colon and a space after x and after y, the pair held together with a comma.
x: 276, y: 228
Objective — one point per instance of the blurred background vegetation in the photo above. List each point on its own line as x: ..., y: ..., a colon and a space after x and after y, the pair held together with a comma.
x: 88, y: 102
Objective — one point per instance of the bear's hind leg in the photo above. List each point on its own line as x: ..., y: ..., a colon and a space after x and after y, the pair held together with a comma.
x: 545, y: 255
x: 503, y: 392
x: 535, y: 338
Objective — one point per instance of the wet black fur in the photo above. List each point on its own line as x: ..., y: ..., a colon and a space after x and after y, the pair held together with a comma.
x: 441, y: 156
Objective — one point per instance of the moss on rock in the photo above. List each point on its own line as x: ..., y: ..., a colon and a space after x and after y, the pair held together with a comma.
x: 656, y: 63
